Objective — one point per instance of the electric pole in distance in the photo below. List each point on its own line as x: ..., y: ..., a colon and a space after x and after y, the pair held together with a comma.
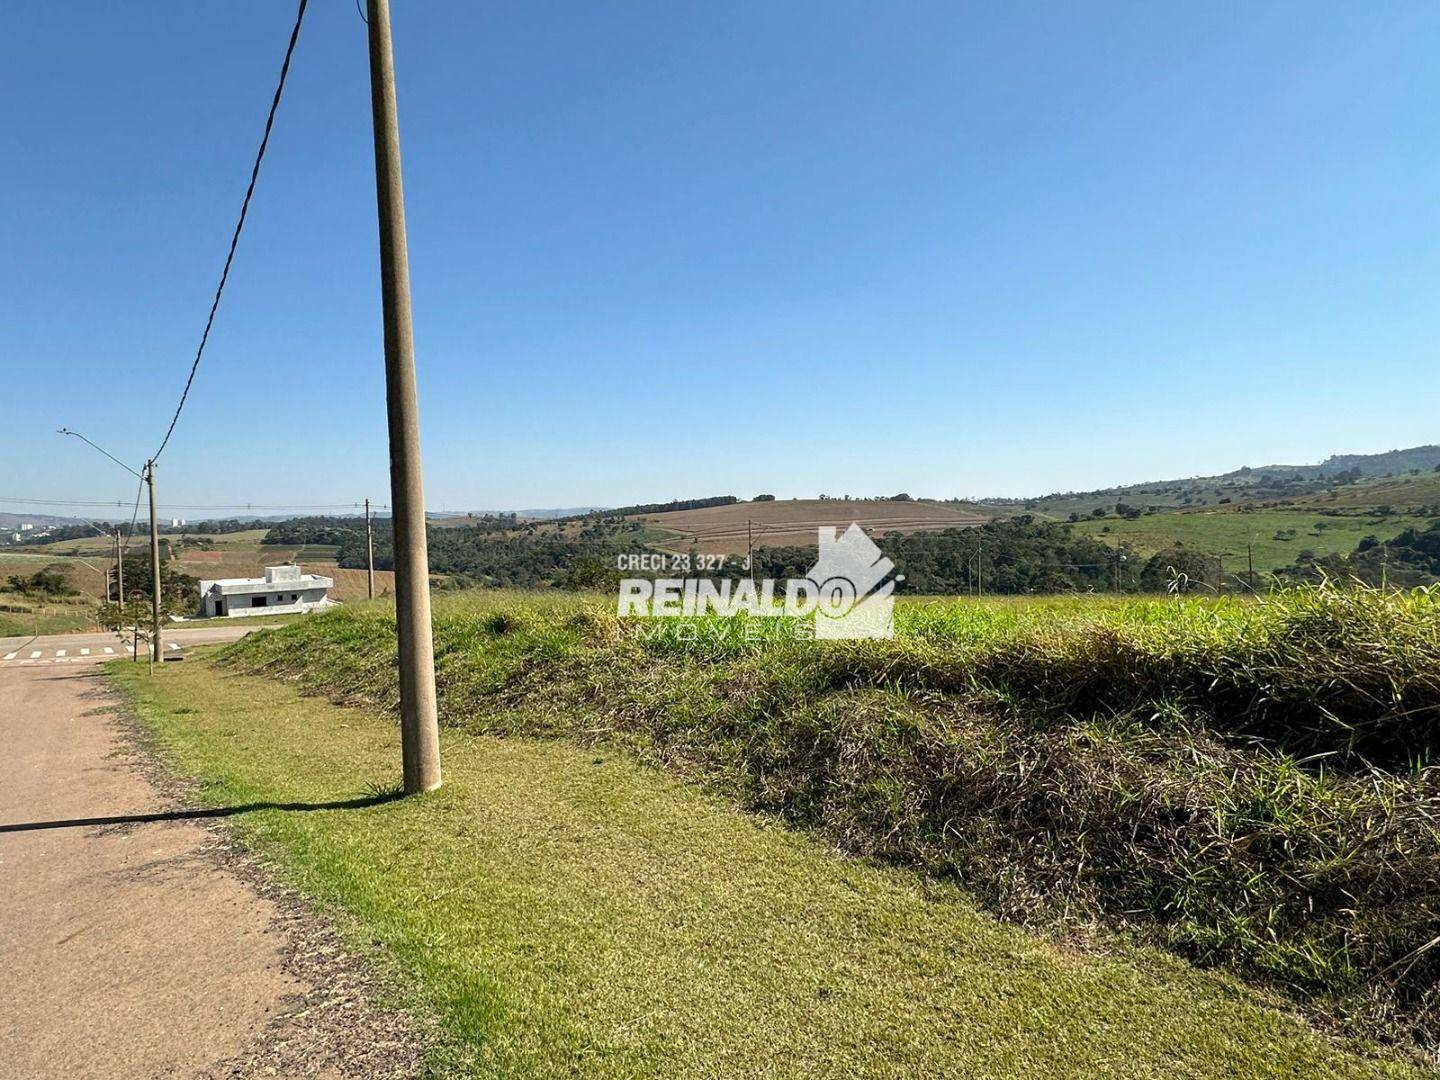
x: 419, y: 726
x: 154, y: 569
x: 369, y: 554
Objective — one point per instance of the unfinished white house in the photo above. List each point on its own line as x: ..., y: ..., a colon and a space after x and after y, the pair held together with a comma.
x: 282, y: 590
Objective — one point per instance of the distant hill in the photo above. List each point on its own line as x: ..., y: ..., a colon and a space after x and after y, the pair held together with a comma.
x: 727, y: 529
x: 14, y: 521
x: 1265, y: 483
x: 548, y: 513
x: 1390, y: 463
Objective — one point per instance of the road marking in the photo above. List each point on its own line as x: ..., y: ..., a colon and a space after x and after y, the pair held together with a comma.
x: 10, y: 656
x: 35, y: 655
x: 109, y: 651
x: 59, y: 652
x: 84, y: 652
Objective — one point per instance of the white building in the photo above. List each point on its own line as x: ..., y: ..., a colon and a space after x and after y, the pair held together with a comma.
x: 283, y: 589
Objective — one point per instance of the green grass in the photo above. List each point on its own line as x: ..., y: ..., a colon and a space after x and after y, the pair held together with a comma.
x: 560, y: 910
x: 50, y: 617
x: 1247, y: 783
x: 1225, y: 530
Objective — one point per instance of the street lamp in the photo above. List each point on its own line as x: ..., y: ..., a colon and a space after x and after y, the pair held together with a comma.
x: 148, y: 479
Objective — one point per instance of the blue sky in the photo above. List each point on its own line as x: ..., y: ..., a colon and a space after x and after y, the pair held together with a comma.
x: 665, y: 250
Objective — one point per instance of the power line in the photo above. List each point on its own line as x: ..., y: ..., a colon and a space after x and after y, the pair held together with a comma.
x: 130, y: 532
x: 213, y: 507
x: 239, y: 225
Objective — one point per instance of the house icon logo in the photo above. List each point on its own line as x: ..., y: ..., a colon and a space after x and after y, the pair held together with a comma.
x: 850, y: 578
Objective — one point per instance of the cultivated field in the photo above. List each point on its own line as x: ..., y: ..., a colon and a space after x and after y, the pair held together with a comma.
x: 723, y: 529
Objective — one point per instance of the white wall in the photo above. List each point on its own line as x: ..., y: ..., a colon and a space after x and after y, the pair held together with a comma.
x: 238, y: 606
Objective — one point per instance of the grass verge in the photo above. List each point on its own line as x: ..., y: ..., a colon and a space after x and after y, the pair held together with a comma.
x: 1249, y: 784
x: 563, y: 911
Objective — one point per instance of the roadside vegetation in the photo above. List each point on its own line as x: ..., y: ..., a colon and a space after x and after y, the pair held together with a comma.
x: 42, y: 601
x: 1250, y: 784
x: 559, y: 908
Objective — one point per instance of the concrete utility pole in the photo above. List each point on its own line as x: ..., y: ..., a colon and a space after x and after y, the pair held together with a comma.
x: 154, y: 569
x: 419, y: 727
x: 369, y: 554
x: 120, y: 580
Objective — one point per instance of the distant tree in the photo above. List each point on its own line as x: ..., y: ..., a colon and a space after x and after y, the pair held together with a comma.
x: 1179, y: 570
x: 45, y: 582
x: 763, y: 498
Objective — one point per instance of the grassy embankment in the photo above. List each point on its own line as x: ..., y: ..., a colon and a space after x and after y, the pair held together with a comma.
x: 562, y: 910
x: 22, y: 616
x: 1243, y: 783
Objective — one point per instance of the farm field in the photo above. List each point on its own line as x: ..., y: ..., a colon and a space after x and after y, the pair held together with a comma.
x: 723, y: 529
x: 561, y: 906
x: 1275, y: 536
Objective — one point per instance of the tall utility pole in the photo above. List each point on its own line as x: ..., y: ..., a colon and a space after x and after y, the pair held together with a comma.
x: 419, y: 727
x: 120, y: 581
x: 154, y: 569
x: 369, y: 554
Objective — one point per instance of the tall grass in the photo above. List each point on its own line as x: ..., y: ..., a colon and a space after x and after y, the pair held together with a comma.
x: 1250, y: 783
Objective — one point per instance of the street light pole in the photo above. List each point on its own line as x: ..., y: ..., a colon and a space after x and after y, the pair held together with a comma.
x: 419, y: 726
x: 147, y: 477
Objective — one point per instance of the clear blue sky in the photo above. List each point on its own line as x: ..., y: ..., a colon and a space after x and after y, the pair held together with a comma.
x: 663, y: 250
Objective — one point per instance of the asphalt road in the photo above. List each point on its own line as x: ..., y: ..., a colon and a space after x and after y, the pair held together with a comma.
x: 49, y: 649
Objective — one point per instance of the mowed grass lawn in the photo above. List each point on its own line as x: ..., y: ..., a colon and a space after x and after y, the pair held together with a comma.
x: 1226, y: 532
x: 568, y: 911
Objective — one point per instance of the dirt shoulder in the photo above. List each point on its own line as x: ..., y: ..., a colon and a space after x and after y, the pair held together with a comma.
x: 136, y: 941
